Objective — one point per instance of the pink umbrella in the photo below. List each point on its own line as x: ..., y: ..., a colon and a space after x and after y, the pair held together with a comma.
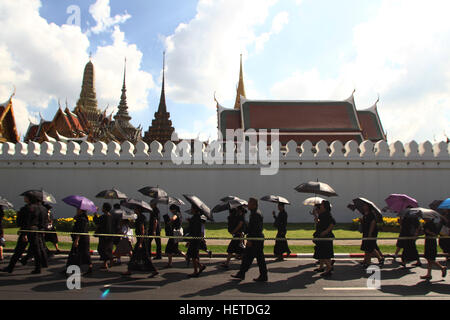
x: 399, y: 202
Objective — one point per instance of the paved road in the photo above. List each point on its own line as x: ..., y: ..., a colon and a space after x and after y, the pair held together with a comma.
x: 291, y: 279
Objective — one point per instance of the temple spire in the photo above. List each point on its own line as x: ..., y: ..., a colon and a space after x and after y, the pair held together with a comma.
x: 162, y: 101
x: 240, y: 91
x: 88, y: 97
x: 122, y: 113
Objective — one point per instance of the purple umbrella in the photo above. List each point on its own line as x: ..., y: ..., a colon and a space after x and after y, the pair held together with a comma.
x: 399, y: 202
x: 81, y: 203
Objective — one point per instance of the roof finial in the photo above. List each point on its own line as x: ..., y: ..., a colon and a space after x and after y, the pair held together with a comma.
x: 240, y: 90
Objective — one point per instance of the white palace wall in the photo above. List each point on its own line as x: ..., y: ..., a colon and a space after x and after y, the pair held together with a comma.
x: 369, y: 170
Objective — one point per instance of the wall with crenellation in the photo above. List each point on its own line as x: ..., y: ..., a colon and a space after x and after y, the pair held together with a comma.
x: 369, y: 170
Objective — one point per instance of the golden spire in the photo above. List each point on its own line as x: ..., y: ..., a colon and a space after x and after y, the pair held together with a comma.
x: 240, y: 91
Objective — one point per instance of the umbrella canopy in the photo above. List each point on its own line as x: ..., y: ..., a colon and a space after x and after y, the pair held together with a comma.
x: 359, y: 203
x: 316, y: 188
x: 133, y: 204
x: 153, y: 192
x: 5, y: 203
x: 399, y: 202
x: 171, y: 200
x: 81, y: 203
x: 445, y: 204
x: 40, y: 195
x: 424, y: 213
x: 313, y: 201
x: 231, y: 204
x: 126, y: 214
x: 195, y: 201
x: 275, y: 199
x: 228, y: 198
x: 111, y: 194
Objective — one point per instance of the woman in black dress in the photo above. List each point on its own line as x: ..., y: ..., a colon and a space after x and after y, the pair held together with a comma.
x: 236, y: 227
x: 195, y: 230
x: 105, y: 243
x: 80, y: 252
x: 281, y: 246
x: 323, y: 250
x: 411, y: 227
x: 370, y: 230
x: 400, y: 242
x: 140, y: 258
x: 431, y: 232
x: 171, y: 224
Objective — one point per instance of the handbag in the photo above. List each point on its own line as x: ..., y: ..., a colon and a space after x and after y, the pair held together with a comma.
x: 178, y: 233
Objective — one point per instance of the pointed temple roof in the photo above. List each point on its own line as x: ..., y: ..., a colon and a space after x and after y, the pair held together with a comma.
x: 8, y: 129
x: 88, y: 97
x: 161, y: 129
x: 240, y: 90
x: 372, y: 128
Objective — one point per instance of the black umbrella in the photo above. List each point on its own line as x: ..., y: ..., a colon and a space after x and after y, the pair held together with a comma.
x: 228, y: 198
x: 358, y: 204
x: 40, y: 195
x: 5, y: 203
x: 195, y: 201
x: 170, y: 200
x: 435, y: 204
x: 316, y: 188
x: 153, y: 192
x: 275, y: 199
x: 424, y: 213
x: 133, y: 203
x: 111, y: 194
x: 231, y: 204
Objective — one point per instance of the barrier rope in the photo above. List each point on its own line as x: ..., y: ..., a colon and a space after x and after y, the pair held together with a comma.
x: 227, y: 238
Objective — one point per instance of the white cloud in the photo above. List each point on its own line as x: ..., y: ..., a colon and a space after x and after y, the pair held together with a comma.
x: 203, y: 55
x: 101, y: 12
x: 279, y: 21
x: 402, y: 54
x: 45, y: 62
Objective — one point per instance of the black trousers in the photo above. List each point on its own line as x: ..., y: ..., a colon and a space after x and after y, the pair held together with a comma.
x: 158, y: 244
x: 20, y: 248
x: 256, y: 250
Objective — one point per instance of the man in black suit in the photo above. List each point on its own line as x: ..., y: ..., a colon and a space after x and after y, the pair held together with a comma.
x: 154, y: 228
x: 254, y: 248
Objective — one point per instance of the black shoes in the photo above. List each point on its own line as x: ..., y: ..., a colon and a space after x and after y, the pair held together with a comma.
x: 261, y: 279
x: 238, y: 276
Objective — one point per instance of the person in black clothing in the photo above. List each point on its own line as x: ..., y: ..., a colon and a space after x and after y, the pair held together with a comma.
x: 154, y: 228
x: 22, y: 241
x: 431, y: 232
x: 140, y: 258
x: 323, y: 250
x: 281, y: 246
x: 171, y: 224
x: 50, y: 237
x: 236, y: 227
x: 254, y: 248
x: 370, y: 230
x: 444, y: 240
x: 195, y: 230
x: 400, y: 242
x: 105, y: 243
x: 80, y: 252
x: 411, y: 227
x: 116, y: 216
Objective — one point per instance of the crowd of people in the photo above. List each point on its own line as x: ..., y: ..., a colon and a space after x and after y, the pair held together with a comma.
x: 114, y: 230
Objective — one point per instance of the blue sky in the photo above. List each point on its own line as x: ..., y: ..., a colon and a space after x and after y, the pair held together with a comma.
x: 292, y: 49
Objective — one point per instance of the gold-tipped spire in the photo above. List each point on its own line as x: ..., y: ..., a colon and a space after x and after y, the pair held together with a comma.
x: 240, y: 91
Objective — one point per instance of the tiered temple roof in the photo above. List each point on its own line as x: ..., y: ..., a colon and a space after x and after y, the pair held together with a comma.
x: 302, y: 120
x: 8, y: 130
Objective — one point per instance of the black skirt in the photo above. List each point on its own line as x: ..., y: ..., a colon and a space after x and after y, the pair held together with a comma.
x: 281, y: 246
x: 410, y: 252
x: 172, y: 247
x: 193, y: 249
x: 444, y: 243
x: 140, y: 259
x: 51, y: 237
x: 324, y: 250
x: 105, y: 248
x: 430, y: 249
x: 80, y: 255
x: 236, y: 246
